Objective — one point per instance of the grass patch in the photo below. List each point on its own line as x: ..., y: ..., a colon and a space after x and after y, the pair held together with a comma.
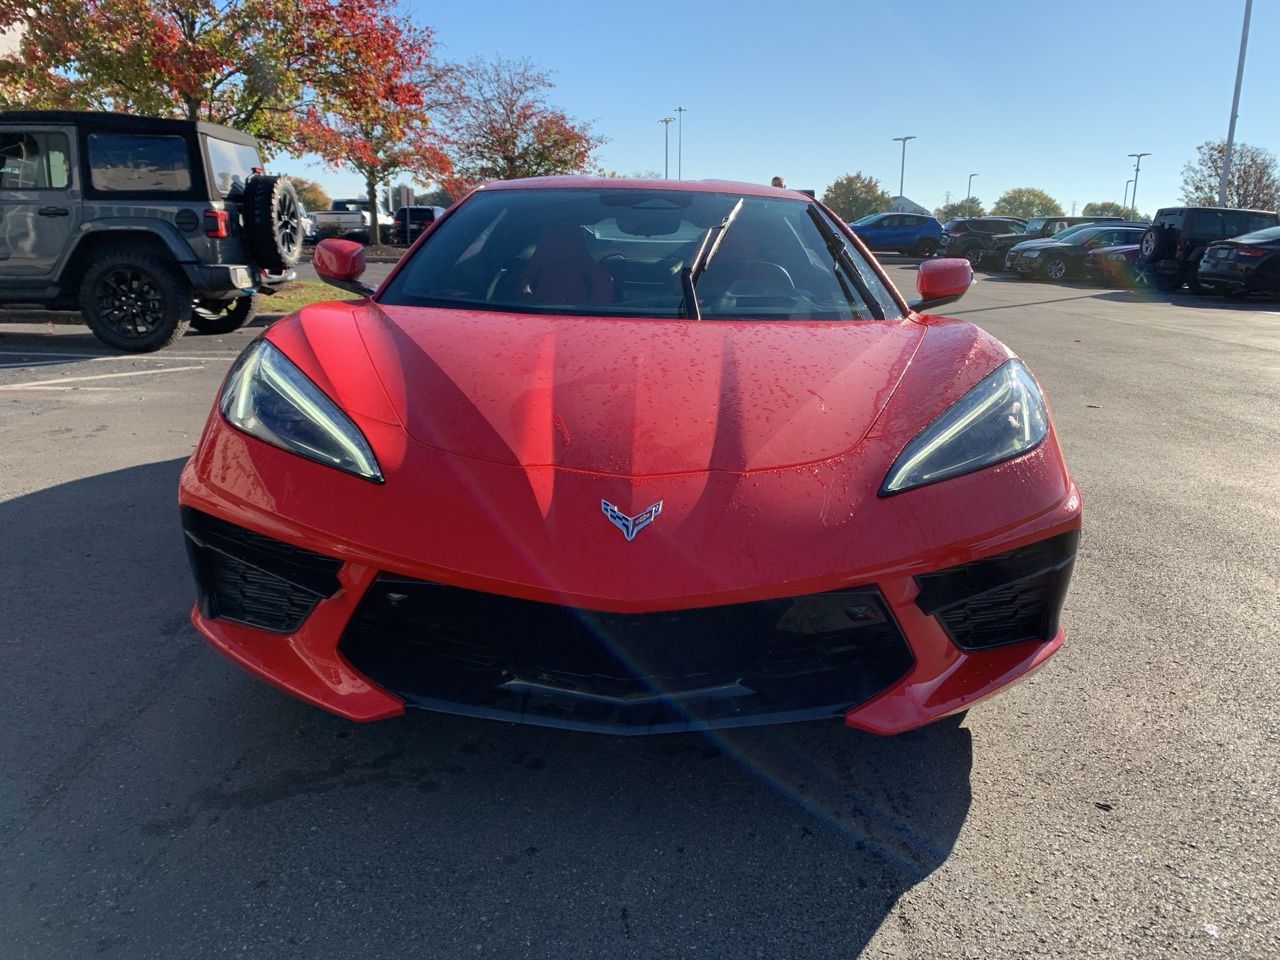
x: 293, y: 296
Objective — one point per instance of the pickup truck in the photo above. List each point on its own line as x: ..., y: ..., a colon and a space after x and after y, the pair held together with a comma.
x: 346, y: 217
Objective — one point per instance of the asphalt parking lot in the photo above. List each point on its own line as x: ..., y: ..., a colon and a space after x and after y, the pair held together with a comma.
x: 1122, y: 802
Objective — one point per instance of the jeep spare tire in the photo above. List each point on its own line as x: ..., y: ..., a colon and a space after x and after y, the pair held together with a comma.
x: 1156, y: 243
x: 272, y: 223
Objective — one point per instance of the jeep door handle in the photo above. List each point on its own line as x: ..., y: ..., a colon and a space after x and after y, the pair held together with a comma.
x: 54, y: 212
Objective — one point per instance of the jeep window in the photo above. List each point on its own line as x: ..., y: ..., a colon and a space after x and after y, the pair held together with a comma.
x: 33, y: 161
x: 231, y: 164
x: 1230, y: 223
x: 139, y: 163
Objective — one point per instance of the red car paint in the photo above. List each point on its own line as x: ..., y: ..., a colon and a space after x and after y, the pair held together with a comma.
x: 499, y: 434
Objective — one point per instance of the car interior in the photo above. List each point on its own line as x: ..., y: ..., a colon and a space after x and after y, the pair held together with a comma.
x: 618, y: 252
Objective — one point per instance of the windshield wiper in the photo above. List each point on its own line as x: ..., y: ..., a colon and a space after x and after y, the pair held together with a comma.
x: 710, y: 245
x: 840, y: 252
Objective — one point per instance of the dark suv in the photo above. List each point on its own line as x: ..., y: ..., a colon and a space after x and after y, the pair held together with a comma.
x: 409, y: 222
x: 966, y: 237
x: 146, y: 225
x: 1170, y: 250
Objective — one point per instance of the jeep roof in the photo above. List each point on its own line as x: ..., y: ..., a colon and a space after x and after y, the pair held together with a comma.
x: 122, y: 122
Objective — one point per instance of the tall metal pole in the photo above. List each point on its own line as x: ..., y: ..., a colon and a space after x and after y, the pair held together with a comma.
x: 1125, y: 205
x: 666, y: 146
x: 902, y: 172
x: 680, y: 143
x: 1235, y: 109
x: 1137, y: 168
x: 968, y: 192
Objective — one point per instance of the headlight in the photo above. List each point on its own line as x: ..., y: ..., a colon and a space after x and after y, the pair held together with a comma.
x: 267, y: 396
x: 1030, y: 253
x: 1002, y: 417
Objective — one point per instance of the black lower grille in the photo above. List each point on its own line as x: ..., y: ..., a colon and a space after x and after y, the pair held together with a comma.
x: 485, y: 654
x: 1006, y: 598
x: 254, y: 579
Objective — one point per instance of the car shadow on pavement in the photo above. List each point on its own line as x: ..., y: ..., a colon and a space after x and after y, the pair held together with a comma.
x: 209, y: 808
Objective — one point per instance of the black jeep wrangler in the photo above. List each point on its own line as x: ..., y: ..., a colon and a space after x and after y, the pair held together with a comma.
x: 1170, y: 251
x: 145, y: 225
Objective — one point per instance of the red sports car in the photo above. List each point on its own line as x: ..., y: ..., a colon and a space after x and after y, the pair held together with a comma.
x: 634, y: 456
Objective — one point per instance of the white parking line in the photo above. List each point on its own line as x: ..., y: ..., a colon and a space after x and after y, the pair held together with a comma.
x: 99, y: 356
x: 100, y: 376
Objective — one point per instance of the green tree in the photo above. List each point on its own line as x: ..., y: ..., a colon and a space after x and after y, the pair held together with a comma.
x: 961, y: 208
x: 854, y: 196
x: 1026, y: 202
x: 1104, y: 208
x: 1253, y: 185
x: 439, y: 197
x: 313, y: 196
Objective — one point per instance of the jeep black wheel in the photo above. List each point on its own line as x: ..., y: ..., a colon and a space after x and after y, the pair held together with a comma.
x: 974, y: 256
x: 136, y: 302
x: 1056, y: 268
x: 224, y: 316
x: 272, y: 223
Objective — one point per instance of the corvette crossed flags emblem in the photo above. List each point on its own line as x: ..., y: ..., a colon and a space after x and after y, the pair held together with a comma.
x: 630, y: 526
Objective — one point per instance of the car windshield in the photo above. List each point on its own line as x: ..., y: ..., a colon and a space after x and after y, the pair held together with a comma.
x: 1071, y: 233
x: 624, y: 252
x: 1034, y: 225
x: 1270, y: 235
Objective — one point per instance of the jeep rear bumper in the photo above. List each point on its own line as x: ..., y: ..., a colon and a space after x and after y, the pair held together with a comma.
x: 227, y: 281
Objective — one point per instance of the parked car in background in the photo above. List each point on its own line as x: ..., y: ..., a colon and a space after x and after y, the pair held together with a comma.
x: 409, y: 222
x: 308, y: 224
x: 1178, y: 236
x: 910, y: 234
x: 1062, y: 257
x: 1036, y: 243
x: 997, y: 247
x: 966, y: 236
x: 1112, y: 265
x: 1243, y: 265
x: 349, y: 218
x: 146, y: 226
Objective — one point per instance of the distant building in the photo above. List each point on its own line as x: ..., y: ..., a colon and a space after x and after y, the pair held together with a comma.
x: 905, y: 205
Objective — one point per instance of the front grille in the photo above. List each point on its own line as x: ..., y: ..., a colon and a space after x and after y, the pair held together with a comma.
x: 254, y: 579
x: 1007, y: 598
x: 464, y: 651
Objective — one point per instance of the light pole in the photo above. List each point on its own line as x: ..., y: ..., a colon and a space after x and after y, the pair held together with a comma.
x: 680, y: 143
x: 902, y: 173
x: 1137, y: 168
x: 1125, y: 205
x: 1235, y: 108
x: 968, y: 192
x: 666, y: 146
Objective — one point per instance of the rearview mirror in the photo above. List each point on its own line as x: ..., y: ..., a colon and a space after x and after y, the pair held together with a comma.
x: 941, y: 282
x: 341, y: 264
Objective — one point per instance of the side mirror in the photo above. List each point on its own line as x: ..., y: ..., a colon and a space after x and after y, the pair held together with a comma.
x: 941, y: 282
x: 341, y: 264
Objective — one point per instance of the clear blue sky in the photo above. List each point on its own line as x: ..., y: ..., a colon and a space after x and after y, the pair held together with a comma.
x: 814, y: 89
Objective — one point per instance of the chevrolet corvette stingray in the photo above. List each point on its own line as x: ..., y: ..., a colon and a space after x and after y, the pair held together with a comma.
x: 632, y: 456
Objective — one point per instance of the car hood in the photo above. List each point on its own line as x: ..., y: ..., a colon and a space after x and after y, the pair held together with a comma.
x: 634, y: 397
